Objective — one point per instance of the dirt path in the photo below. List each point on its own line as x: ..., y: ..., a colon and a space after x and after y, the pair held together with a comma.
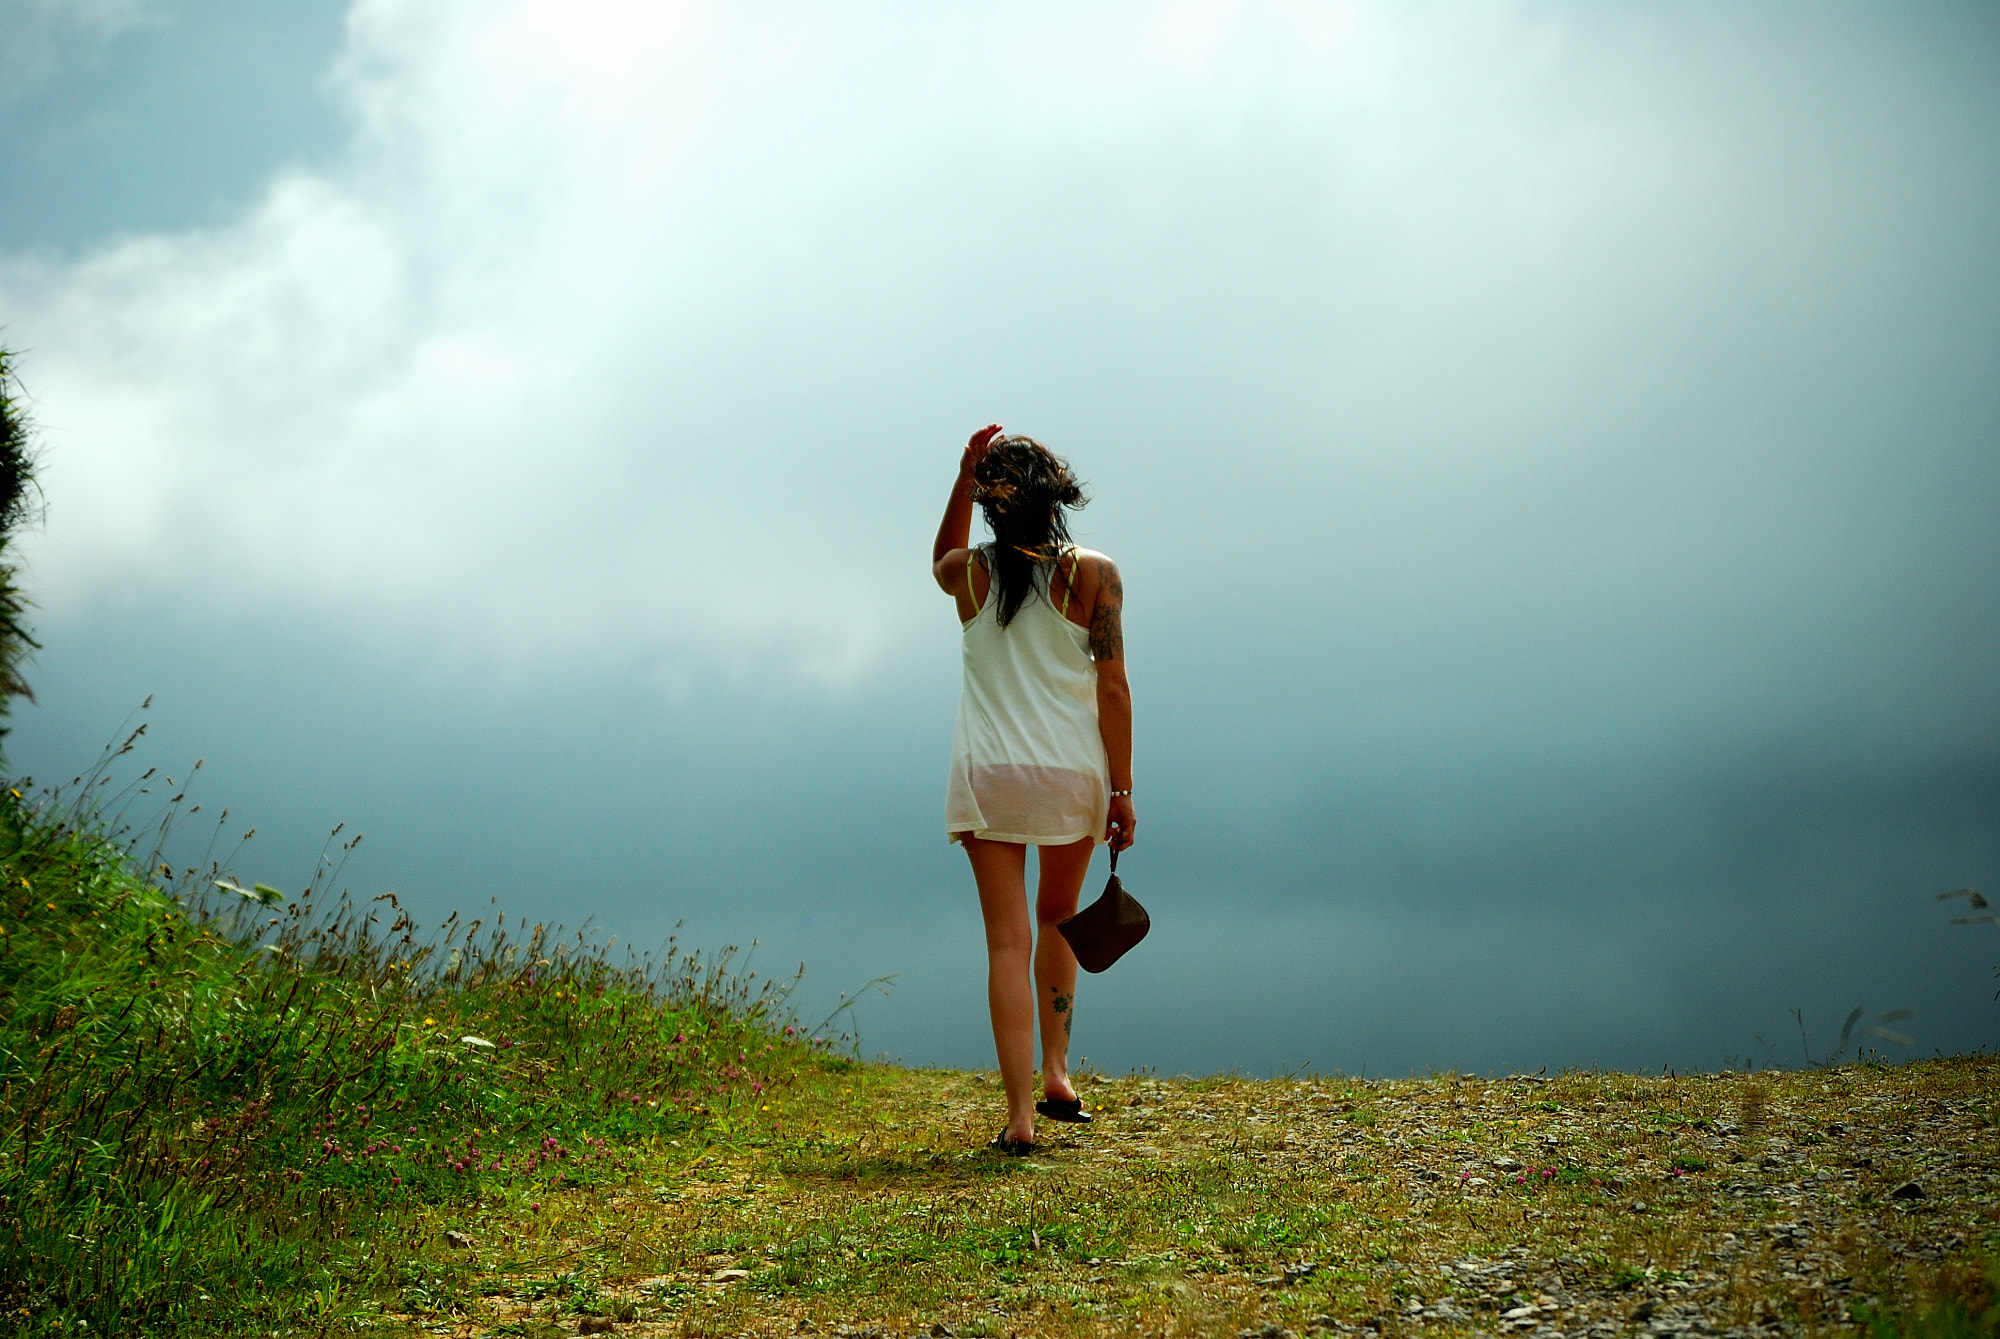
x: 1582, y: 1204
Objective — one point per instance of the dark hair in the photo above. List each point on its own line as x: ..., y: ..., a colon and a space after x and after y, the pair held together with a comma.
x: 1023, y: 488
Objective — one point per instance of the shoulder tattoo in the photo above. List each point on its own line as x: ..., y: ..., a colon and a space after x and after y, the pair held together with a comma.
x: 1107, y: 635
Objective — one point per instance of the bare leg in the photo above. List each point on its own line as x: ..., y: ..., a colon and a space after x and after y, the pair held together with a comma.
x: 1062, y: 872
x: 1000, y: 868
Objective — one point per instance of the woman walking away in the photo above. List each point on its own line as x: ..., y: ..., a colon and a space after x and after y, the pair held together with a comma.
x: 1042, y: 755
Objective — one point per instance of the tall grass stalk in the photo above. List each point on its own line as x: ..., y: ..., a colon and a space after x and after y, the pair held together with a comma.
x: 19, y: 499
x: 213, y: 1099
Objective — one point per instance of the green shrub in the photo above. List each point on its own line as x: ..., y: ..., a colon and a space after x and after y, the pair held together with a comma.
x: 211, y: 1103
x: 17, y: 505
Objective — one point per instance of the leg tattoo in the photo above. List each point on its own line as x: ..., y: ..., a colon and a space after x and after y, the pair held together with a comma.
x: 1063, y: 1007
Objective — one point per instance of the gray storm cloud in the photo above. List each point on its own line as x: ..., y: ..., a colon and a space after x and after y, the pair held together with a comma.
x: 1551, y: 449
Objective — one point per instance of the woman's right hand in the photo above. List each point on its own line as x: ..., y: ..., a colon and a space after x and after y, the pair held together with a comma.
x: 976, y: 449
x: 1122, y: 824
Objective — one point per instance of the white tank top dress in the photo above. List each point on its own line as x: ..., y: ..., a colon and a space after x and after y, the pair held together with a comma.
x: 1027, y: 758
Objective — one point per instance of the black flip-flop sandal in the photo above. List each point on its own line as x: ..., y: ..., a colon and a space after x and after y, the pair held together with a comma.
x: 1013, y: 1148
x: 1070, y: 1112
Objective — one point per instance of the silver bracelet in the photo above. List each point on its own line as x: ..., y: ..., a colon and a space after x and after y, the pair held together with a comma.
x: 1116, y: 793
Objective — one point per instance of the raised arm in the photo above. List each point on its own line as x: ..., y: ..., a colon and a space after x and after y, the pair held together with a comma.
x: 1114, y: 696
x: 956, y: 527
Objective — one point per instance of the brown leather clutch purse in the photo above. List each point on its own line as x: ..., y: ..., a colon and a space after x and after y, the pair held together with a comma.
x: 1102, y: 932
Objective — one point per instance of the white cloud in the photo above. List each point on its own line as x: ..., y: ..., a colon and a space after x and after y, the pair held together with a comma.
x: 386, y: 388
x: 635, y: 338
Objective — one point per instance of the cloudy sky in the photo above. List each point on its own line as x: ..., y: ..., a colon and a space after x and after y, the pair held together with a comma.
x: 1553, y: 450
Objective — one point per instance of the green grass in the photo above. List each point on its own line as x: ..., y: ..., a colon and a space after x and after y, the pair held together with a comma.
x: 863, y: 1197
x: 218, y: 1111
x: 1964, y: 1303
x: 222, y: 1113
x: 19, y: 499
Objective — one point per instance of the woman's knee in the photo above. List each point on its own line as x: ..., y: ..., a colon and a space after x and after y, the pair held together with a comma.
x: 1009, y: 939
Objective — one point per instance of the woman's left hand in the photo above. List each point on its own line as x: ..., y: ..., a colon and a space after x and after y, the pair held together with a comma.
x: 1122, y: 824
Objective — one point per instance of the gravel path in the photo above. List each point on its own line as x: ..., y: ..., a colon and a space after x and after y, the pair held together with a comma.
x: 1773, y: 1206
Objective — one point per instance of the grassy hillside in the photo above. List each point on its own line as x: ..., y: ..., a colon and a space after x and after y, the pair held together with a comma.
x: 220, y: 1109
x: 225, y: 1114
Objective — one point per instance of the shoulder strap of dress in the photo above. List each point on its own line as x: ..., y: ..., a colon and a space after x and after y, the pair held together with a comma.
x: 971, y: 589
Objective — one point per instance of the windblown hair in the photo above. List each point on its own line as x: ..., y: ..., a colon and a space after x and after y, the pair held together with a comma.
x: 1024, y: 488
